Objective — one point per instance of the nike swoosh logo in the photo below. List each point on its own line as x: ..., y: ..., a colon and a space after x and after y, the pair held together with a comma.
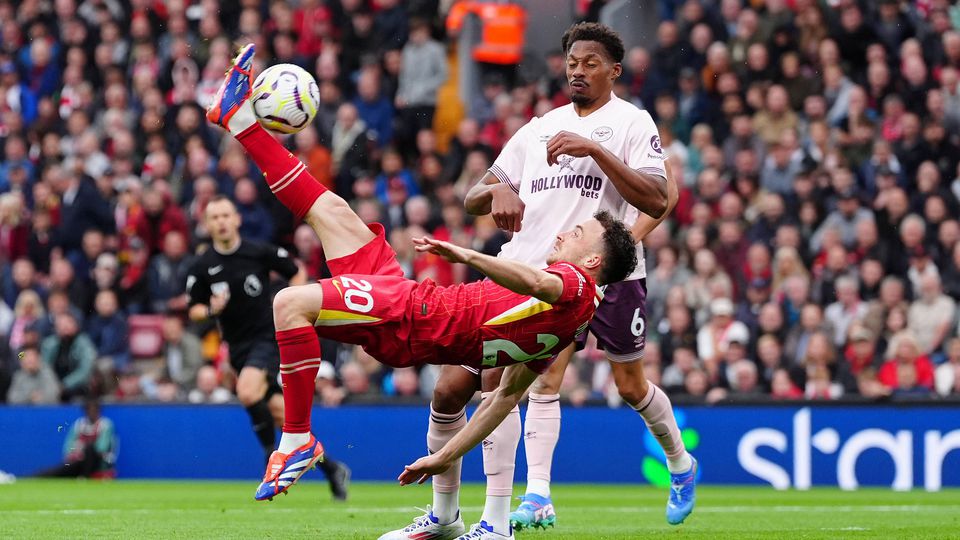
x: 215, y: 270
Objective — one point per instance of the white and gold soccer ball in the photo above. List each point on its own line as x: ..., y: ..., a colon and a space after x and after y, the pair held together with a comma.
x: 285, y: 98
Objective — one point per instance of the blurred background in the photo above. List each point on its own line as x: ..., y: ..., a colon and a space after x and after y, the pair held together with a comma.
x: 813, y: 255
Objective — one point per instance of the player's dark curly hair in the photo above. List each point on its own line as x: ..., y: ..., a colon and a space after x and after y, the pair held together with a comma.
x: 620, y: 253
x: 601, y: 33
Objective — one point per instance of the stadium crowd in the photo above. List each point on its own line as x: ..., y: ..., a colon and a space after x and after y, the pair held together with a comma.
x: 814, y: 252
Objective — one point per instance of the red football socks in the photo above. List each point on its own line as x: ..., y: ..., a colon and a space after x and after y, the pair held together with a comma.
x: 286, y: 175
x: 299, y: 363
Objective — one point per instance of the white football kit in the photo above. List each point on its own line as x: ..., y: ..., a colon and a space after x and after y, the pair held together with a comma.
x: 559, y: 197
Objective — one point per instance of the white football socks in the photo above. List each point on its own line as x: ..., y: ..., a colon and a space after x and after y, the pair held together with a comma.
x: 242, y: 119
x: 446, y: 507
x: 291, y: 441
x: 538, y: 486
x: 680, y: 464
x: 496, y: 512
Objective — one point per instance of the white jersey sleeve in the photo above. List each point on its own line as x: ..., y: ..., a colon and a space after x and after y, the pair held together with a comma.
x: 643, y: 150
x: 508, y: 167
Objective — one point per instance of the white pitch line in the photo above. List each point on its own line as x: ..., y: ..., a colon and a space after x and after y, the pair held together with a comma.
x: 413, y: 511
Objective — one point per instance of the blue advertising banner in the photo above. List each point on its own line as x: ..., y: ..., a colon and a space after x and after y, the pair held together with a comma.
x: 846, y: 446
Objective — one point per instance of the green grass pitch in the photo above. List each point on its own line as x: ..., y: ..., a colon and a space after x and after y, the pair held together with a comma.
x: 37, y: 509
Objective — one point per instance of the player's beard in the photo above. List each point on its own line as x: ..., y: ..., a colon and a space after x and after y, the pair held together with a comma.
x: 580, y: 99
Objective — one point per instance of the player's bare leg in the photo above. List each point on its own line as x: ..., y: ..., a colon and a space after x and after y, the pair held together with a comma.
x: 276, y: 409
x: 541, y: 433
x: 442, y: 521
x: 252, y: 392
x: 654, y: 406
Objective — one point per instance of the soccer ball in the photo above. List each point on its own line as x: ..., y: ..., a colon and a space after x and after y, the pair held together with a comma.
x: 285, y: 98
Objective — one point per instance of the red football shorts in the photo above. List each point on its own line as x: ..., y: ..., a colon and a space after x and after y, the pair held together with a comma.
x: 367, y: 302
x: 376, y: 258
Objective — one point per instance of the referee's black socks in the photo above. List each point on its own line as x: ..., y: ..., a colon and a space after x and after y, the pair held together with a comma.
x: 263, y: 427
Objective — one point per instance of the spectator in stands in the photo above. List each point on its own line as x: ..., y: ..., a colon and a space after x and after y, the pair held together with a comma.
x: 845, y: 219
x: 14, y: 229
x: 207, y: 388
x: 22, y: 276
x: 348, y: 147
x: 811, y: 322
x: 92, y: 245
x: 931, y: 316
x: 159, y: 217
x: 904, y: 354
x: 745, y: 380
x: 107, y: 329
x: 861, y: 352
x: 167, y: 275
x: 817, y: 371
x: 27, y: 311
x: 64, y: 279
x: 714, y: 338
x: 947, y: 375
x: 466, y: 140
x: 696, y: 384
x: 130, y: 385
x: 256, y: 223
x: 34, y: 383
x: 105, y: 273
x: 71, y: 354
x: 848, y: 308
x: 394, y: 176
x: 181, y: 353
x: 83, y: 208
x: 356, y: 381
x: 423, y: 71
x: 134, y: 286
x: 707, y: 277
x: 684, y: 360
x: 373, y: 107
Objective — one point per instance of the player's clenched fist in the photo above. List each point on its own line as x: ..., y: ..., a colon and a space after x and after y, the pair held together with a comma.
x: 570, y: 144
x: 506, y: 208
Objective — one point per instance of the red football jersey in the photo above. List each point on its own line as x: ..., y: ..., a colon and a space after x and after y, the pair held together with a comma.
x: 483, y: 324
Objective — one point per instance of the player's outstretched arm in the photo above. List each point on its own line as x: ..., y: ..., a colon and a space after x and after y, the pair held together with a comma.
x: 518, y: 277
x: 515, y: 381
x: 644, y: 224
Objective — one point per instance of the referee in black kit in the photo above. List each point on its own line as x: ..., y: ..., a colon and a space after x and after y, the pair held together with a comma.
x: 231, y: 282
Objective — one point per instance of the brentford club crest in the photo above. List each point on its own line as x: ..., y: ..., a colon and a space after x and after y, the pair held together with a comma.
x: 655, y: 144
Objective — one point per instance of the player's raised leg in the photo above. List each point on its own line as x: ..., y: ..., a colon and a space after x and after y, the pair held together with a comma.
x: 442, y: 521
x: 294, y: 310
x: 541, y: 433
x: 654, y: 406
x: 340, y: 230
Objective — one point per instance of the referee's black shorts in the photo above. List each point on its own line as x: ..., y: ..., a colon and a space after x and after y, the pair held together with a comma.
x: 262, y: 354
